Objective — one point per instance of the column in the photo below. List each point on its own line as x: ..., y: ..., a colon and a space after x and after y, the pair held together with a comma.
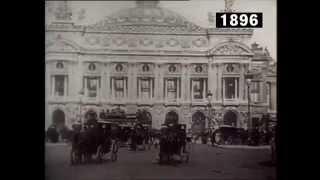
x: 183, y: 82
x: 274, y: 96
x: 80, y: 76
x: 188, y: 81
x: 134, y: 81
x: 112, y: 86
x: 138, y: 92
x: 191, y: 82
x: 204, y: 90
x: 125, y: 88
x: 131, y: 82
x: 219, y: 82
x: 262, y: 90
x: 165, y: 89
x: 157, y: 88
x: 178, y: 87
x: 102, y: 83
x: 99, y: 88
x: 65, y: 85
x: 151, y: 80
x: 52, y: 85
x: 223, y: 89
x: 236, y: 88
x: 108, y: 82
x: 212, y: 78
x: 161, y: 83
x: 241, y: 83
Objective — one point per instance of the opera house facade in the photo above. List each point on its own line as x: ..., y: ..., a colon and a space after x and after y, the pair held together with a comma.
x: 152, y: 59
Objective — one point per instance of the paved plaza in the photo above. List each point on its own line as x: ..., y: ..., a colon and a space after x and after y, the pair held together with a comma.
x: 205, y: 163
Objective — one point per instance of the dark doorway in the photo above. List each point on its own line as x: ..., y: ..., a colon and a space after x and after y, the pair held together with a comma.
x: 230, y: 118
x: 58, y: 119
x: 198, y: 122
x: 172, y: 117
x: 144, y: 117
x: 91, y: 117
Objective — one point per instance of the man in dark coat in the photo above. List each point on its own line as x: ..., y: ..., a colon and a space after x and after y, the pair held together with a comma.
x: 213, y: 137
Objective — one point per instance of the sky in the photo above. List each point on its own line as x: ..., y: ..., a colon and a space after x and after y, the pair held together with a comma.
x: 195, y: 11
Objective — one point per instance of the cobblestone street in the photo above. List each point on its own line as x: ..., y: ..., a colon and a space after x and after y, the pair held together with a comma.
x: 205, y: 163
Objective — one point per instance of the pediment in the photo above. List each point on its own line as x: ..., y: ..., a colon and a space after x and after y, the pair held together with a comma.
x: 61, y: 46
x: 231, y: 49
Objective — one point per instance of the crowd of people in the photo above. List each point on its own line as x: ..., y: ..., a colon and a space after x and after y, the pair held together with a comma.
x: 234, y: 136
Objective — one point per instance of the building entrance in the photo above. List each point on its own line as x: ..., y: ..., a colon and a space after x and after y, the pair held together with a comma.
x: 198, y: 123
x: 58, y: 119
x: 230, y: 118
x: 171, y: 117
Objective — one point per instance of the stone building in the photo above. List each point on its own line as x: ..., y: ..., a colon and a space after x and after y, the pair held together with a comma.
x: 153, y: 59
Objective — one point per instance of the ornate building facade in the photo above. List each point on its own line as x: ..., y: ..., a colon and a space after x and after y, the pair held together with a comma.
x: 153, y: 59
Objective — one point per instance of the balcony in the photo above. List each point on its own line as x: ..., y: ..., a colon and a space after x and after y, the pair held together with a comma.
x: 231, y: 102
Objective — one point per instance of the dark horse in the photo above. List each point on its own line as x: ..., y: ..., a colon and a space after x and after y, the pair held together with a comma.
x: 94, y: 140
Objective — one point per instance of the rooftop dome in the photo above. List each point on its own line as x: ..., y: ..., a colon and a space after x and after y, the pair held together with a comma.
x: 148, y: 13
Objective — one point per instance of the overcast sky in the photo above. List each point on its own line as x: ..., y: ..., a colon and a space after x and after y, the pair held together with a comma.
x: 195, y: 11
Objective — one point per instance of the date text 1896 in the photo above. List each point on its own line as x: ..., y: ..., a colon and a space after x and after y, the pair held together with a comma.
x: 239, y: 20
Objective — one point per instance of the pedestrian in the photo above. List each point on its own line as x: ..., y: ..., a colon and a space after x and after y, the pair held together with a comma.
x: 213, y: 137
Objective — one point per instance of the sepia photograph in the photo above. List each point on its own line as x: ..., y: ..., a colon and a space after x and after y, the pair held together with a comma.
x: 158, y: 90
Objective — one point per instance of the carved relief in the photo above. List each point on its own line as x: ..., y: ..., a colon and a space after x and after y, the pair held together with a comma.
x: 119, y: 41
x: 231, y: 68
x: 199, y: 68
x: 146, y: 68
x: 92, y: 40
x: 146, y: 42
x: 158, y: 110
x: 60, y: 46
x: 185, y: 111
x: 119, y: 67
x: 230, y: 49
x: 132, y: 43
x: 185, y: 44
x: 106, y: 42
x: 172, y: 42
x: 200, y: 42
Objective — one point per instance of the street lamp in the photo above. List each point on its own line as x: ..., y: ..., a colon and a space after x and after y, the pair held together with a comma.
x: 249, y: 101
x: 81, y: 93
x: 209, y: 97
x: 249, y: 78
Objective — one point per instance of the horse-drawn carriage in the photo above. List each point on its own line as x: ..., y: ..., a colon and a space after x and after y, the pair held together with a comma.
x: 174, y: 145
x: 94, y: 139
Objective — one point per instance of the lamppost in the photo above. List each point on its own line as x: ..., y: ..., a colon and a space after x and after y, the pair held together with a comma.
x: 209, y: 97
x: 81, y: 93
x: 249, y: 79
x: 249, y: 101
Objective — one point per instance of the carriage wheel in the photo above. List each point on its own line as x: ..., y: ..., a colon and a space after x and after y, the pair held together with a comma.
x: 100, y: 154
x: 75, y: 158
x: 114, y: 156
x: 115, y: 148
x: 72, y: 157
x: 187, y: 158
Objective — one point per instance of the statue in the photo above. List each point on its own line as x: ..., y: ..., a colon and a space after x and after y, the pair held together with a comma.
x: 63, y: 11
x: 228, y: 5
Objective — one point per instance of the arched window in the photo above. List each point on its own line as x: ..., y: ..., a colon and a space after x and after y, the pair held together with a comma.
x: 172, y: 68
x: 230, y: 118
x: 145, y: 68
x: 119, y: 67
x: 59, y: 65
x: 92, y: 67
x: 171, y: 117
x: 230, y: 68
x: 198, y: 69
